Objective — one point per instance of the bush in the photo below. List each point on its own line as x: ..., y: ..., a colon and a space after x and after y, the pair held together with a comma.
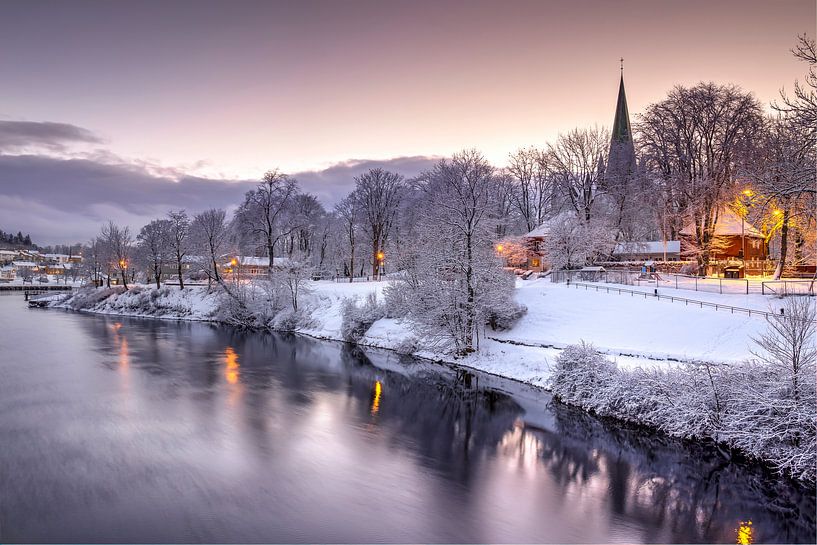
x: 749, y: 406
x: 89, y: 297
x: 356, y: 320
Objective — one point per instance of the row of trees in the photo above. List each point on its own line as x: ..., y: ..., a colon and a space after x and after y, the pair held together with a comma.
x: 12, y: 240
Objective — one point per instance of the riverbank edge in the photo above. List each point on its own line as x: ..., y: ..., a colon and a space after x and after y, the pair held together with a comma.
x: 728, y: 452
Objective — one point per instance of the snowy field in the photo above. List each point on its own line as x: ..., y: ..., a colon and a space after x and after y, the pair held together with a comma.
x: 633, y: 331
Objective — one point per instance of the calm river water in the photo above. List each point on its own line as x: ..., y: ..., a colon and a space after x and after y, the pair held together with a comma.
x: 124, y: 430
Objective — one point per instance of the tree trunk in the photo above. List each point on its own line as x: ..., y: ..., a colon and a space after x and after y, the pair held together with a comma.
x: 124, y: 279
x: 375, y: 259
x: 784, y: 245
x: 179, y: 270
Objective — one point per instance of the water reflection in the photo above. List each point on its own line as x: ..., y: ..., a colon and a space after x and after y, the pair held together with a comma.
x: 236, y: 436
x: 378, y: 390
x: 231, y: 365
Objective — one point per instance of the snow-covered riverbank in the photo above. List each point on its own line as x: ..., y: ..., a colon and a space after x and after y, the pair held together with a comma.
x: 632, y: 331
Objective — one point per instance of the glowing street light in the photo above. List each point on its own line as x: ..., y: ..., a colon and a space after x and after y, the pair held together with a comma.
x: 500, y: 248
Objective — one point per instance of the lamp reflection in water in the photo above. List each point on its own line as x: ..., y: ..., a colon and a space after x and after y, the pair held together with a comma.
x: 231, y: 365
x: 122, y: 341
x: 378, y: 390
x: 746, y: 533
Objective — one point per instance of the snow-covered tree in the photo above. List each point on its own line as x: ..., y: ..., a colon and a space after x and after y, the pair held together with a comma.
x: 696, y: 139
x: 265, y: 216
x: 377, y: 195
x: 458, y: 283
x: 179, y: 239
x: 572, y: 243
x: 802, y: 107
x: 154, y: 241
x: 532, y: 185
x: 209, y: 234
x: 347, y: 212
x: 577, y: 161
x: 783, y: 177
x: 119, y: 246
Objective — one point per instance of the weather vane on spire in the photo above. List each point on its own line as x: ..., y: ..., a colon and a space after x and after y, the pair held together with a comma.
x: 622, y: 65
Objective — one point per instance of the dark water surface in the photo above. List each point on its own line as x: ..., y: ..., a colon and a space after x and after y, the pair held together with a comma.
x: 118, y: 430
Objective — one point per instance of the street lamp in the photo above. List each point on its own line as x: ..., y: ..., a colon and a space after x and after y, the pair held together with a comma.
x: 380, y: 257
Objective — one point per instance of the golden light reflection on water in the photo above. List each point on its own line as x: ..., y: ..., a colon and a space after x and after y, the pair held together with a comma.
x: 231, y: 365
x: 122, y: 341
x: 746, y: 534
x: 378, y: 390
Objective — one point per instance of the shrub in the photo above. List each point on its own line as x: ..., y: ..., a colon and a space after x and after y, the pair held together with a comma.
x: 356, y: 320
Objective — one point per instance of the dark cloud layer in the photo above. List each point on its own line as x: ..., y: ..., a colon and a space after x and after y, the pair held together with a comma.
x: 54, y: 136
x: 65, y: 200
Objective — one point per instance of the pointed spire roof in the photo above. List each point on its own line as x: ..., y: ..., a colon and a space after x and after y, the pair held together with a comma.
x: 621, y: 124
x: 621, y: 163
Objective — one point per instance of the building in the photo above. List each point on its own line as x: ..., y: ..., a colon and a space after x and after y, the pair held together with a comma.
x: 7, y: 256
x: 648, y: 251
x: 62, y: 258
x: 25, y: 268
x: 733, y: 238
x: 254, y: 266
x: 7, y: 273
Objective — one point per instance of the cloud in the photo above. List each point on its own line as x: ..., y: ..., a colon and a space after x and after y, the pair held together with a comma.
x: 64, y: 200
x: 331, y: 184
x: 24, y: 135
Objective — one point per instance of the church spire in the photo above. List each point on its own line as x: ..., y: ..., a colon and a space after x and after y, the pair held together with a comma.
x: 621, y: 123
x: 621, y: 159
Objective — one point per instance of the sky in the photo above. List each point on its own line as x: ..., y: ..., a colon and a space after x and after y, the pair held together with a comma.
x: 126, y: 109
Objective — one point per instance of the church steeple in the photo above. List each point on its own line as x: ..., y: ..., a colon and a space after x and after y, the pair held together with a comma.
x: 621, y: 124
x: 621, y: 160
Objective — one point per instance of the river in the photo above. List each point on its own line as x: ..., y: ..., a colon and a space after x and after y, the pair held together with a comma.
x: 128, y: 430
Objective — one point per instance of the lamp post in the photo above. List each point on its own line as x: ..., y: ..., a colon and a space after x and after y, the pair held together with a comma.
x: 748, y: 202
x: 380, y: 257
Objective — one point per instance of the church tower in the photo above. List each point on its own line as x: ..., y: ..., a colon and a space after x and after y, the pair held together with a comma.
x: 621, y: 164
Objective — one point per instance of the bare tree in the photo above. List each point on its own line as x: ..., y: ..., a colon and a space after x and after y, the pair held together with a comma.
x: 308, y: 214
x: 784, y: 175
x: 803, y: 105
x: 533, y: 188
x: 789, y: 343
x: 348, y: 213
x: 155, y: 243
x: 377, y: 194
x: 696, y: 139
x: 577, y: 163
x: 265, y: 215
x: 210, y: 235
x: 459, y: 276
x: 179, y: 235
x: 119, y: 244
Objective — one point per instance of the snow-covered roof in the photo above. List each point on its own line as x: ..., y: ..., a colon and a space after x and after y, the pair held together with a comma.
x: 647, y: 247
x: 23, y: 263
x: 248, y: 261
x: 544, y: 229
x: 8, y: 252
x: 729, y: 224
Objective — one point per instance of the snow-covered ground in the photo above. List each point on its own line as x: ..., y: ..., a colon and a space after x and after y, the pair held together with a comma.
x: 631, y: 330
